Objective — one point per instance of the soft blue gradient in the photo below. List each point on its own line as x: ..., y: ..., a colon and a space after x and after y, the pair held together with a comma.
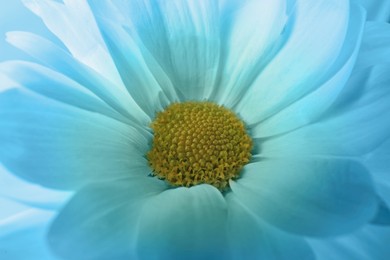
x: 310, y: 79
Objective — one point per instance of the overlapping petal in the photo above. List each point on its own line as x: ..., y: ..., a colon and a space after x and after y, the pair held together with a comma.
x: 102, y: 221
x: 316, y: 38
x: 356, y: 124
x: 252, y: 238
x: 30, y: 194
x: 183, y: 223
x: 22, y: 235
x: 311, y: 196
x: 83, y: 76
x: 61, y: 146
x: 81, y: 37
x: 367, y: 243
x: 310, y: 108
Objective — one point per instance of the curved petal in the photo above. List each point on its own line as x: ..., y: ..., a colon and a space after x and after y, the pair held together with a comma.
x: 378, y: 163
x: 375, y: 46
x: 313, y: 105
x: 369, y: 243
x: 101, y: 221
x: 250, y: 31
x: 62, y: 62
x: 181, y: 35
x: 22, y: 236
x: 356, y: 124
x: 313, y: 45
x: 315, y: 197
x: 58, y: 87
x: 60, y: 146
x: 134, y: 70
x: 10, y: 207
x: 184, y: 223
x: 377, y: 10
x: 81, y: 36
x: 30, y: 194
x: 250, y: 238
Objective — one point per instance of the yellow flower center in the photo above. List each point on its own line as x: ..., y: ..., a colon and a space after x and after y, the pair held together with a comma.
x: 198, y: 142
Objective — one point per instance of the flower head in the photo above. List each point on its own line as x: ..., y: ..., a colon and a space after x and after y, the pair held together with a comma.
x: 197, y: 129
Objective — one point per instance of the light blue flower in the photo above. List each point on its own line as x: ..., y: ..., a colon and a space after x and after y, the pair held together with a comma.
x: 308, y: 78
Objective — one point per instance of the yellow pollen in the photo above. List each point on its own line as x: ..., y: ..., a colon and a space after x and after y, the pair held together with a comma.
x: 198, y: 142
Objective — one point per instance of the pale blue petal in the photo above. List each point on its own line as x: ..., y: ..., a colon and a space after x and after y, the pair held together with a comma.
x: 316, y: 39
x: 60, y: 146
x: 377, y: 10
x: 315, y: 197
x: 375, y: 46
x: 310, y: 107
x: 182, y: 36
x: 10, y: 207
x: 382, y: 216
x: 184, y: 223
x: 30, y: 194
x: 250, y: 31
x: 251, y: 238
x: 102, y: 221
x: 134, y: 71
x: 81, y: 36
x: 356, y: 124
x: 22, y: 236
x: 378, y: 162
x: 369, y: 243
x: 59, y: 60
x: 10, y: 19
x: 58, y: 87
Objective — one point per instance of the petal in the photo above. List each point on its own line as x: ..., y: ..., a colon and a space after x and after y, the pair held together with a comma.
x: 60, y: 146
x: 56, y: 86
x: 134, y: 71
x: 181, y: 35
x: 10, y: 15
x: 356, y: 124
x: 382, y: 216
x: 375, y: 46
x: 30, y: 194
x: 315, y: 197
x: 22, y: 236
x: 81, y: 36
x: 251, y: 238
x: 184, y: 223
x: 313, y: 45
x: 369, y: 243
x: 310, y: 107
x: 101, y: 221
x: 377, y: 10
x: 9, y: 207
x: 246, y: 48
x: 61, y: 61
x: 378, y: 163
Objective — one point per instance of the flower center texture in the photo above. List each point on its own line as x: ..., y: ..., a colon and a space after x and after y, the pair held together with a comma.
x: 198, y: 142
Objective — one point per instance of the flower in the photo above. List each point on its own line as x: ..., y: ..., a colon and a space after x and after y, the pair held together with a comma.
x: 287, y: 80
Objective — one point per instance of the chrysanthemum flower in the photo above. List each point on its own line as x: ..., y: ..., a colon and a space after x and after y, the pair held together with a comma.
x: 202, y: 129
